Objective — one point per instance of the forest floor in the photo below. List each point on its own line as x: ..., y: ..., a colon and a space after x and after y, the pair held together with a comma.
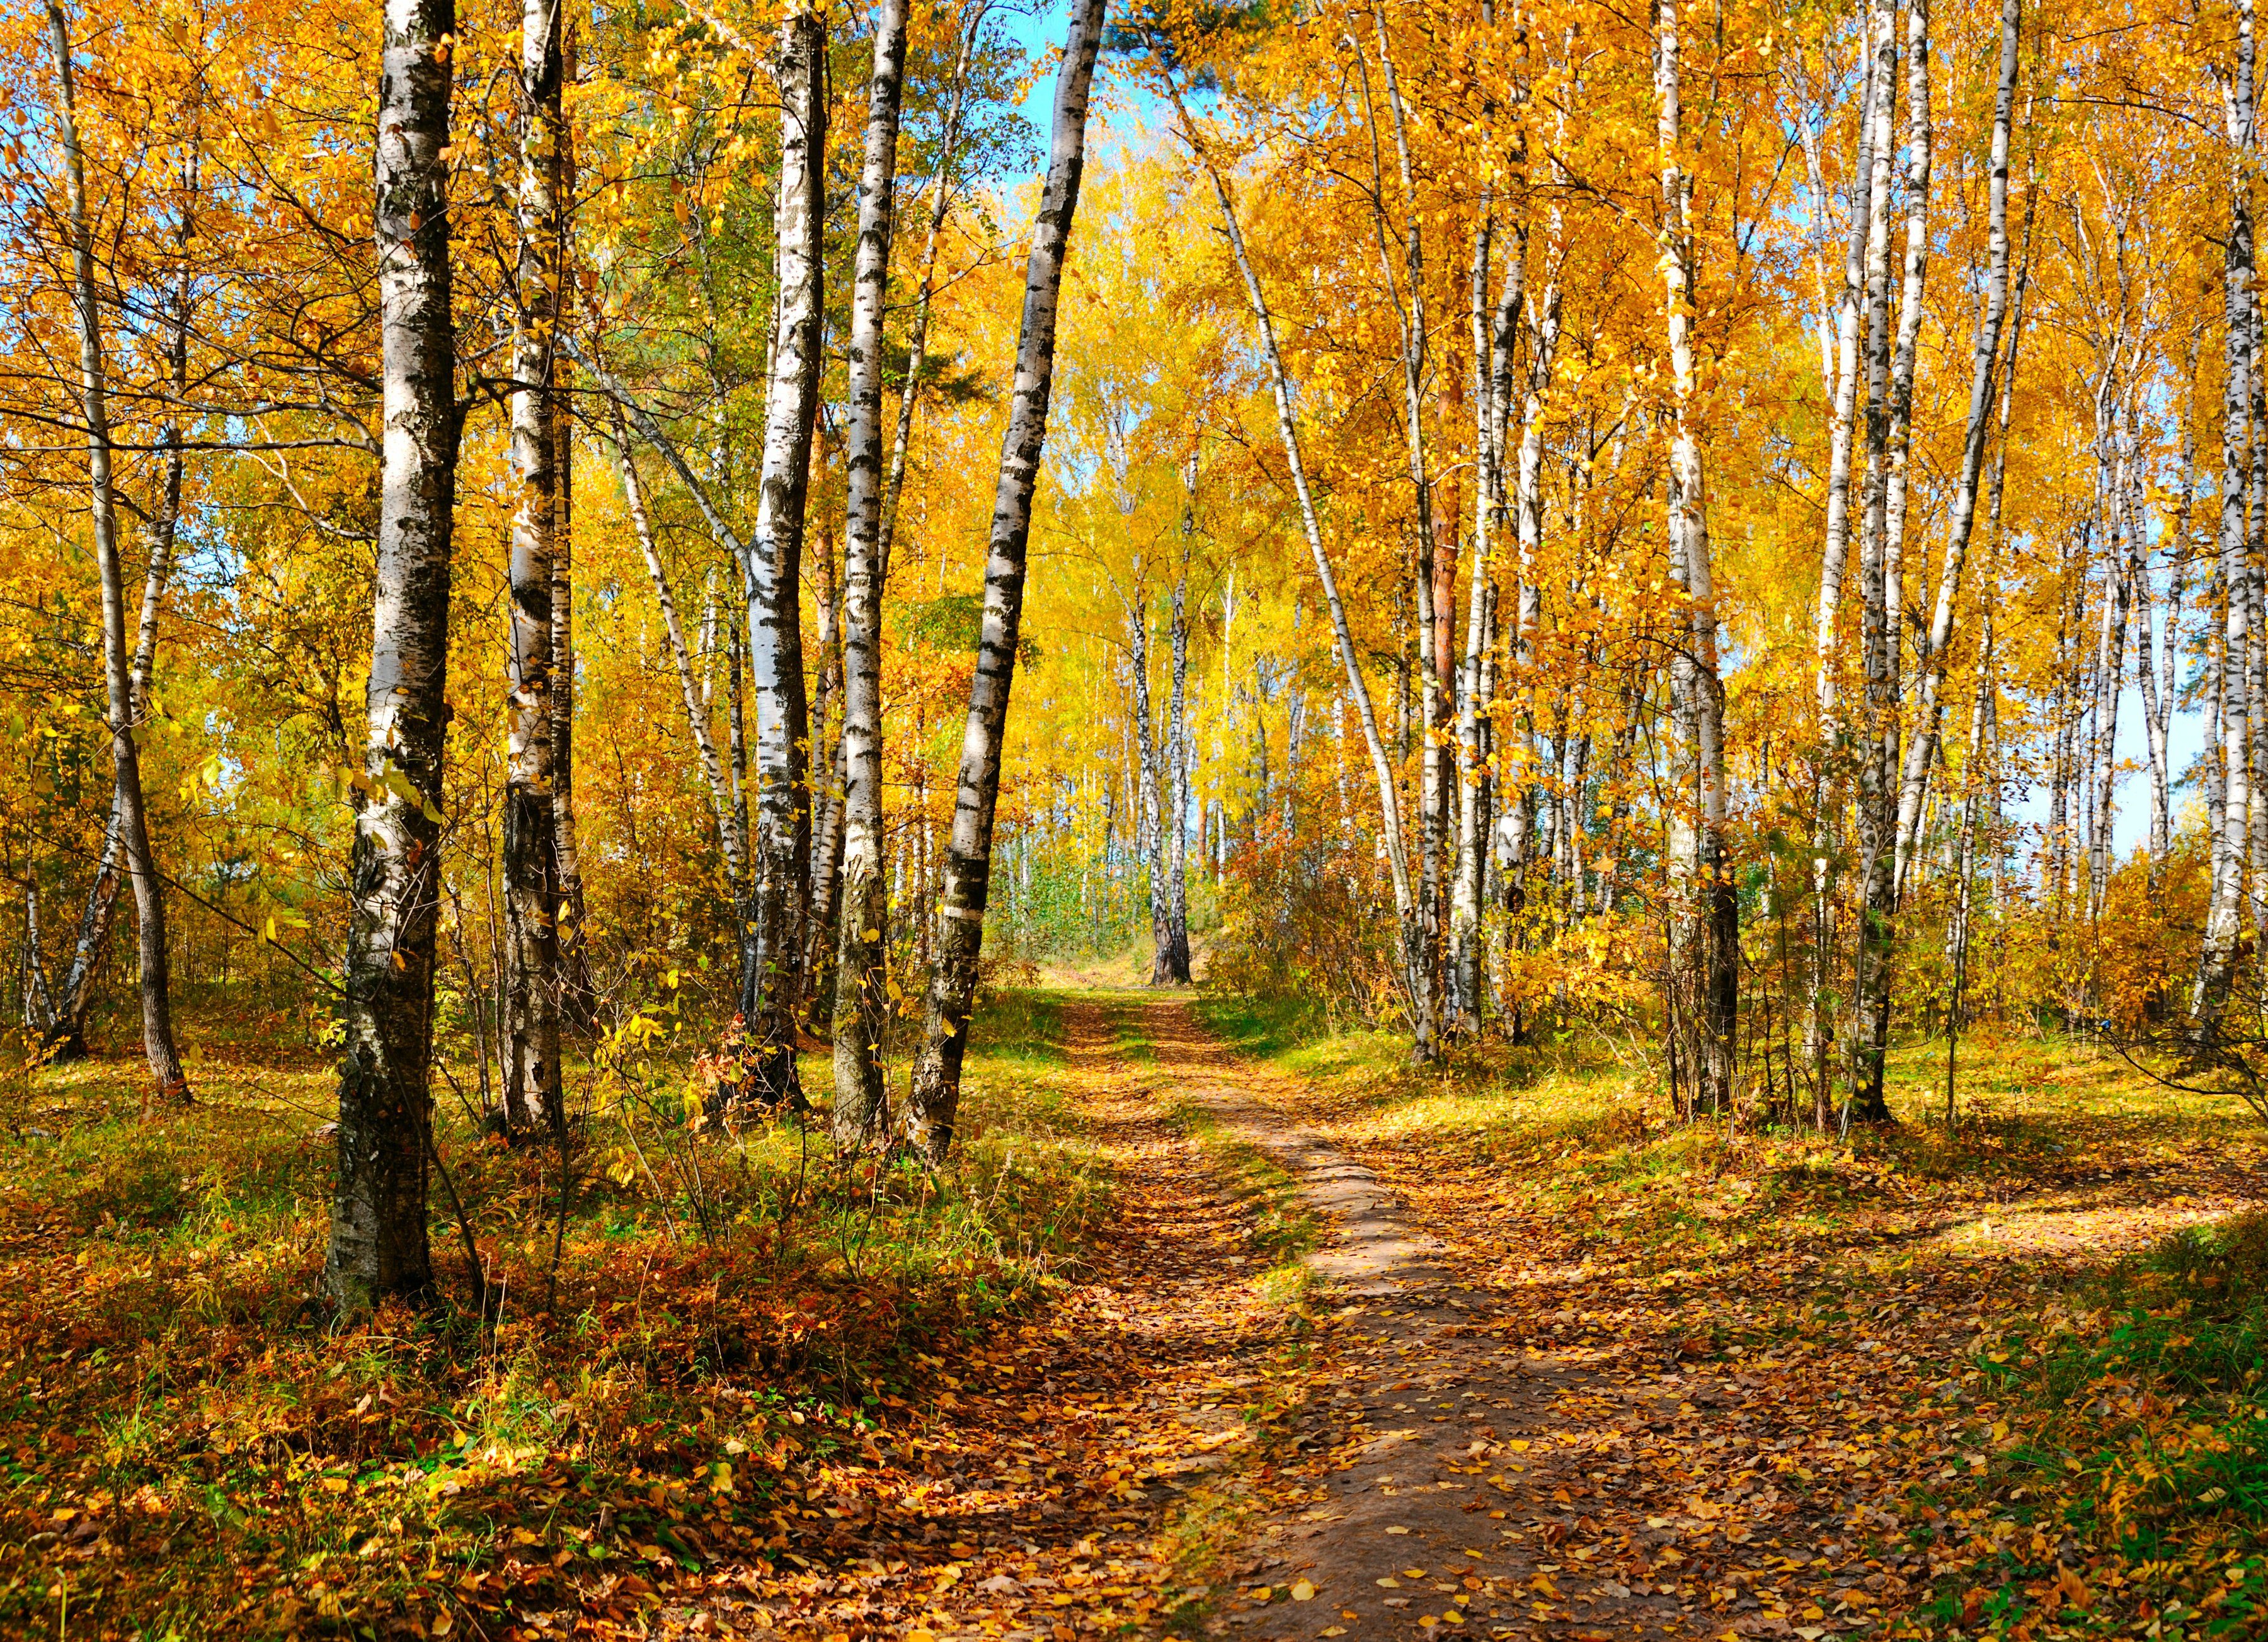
x: 1218, y: 1331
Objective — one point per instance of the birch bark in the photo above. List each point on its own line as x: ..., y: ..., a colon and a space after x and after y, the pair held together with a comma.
x: 934, y: 1100
x: 780, y: 851
x: 132, y: 821
x: 1706, y: 930
x: 2224, y: 915
x: 377, y: 1244
x: 860, y: 998
x: 1935, y: 643
x: 532, y: 1088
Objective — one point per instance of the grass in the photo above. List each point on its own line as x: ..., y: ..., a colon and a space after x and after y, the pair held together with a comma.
x: 187, y: 1449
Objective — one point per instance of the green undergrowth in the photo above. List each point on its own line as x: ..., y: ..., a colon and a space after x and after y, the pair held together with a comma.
x: 2138, y: 1439
x: 190, y: 1444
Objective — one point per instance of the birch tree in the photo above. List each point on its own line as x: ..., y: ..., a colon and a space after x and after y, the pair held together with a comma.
x: 860, y: 998
x: 533, y: 1100
x: 780, y: 850
x: 1704, y: 928
x: 378, y: 1243
x: 131, y: 818
x: 2224, y: 916
x: 934, y: 1100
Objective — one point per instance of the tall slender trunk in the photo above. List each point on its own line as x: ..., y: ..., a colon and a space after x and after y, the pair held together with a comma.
x: 1876, y: 805
x: 531, y: 1087
x: 918, y: 344
x: 935, y: 1100
x: 1176, y: 967
x: 1850, y: 325
x: 729, y: 843
x: 2217, y: 956
x: 1154, y: 761
x: 1706, y: 927
x: 1935, y: 643
x: 378, y: 1245
x: 1852, y: 314
x: 1433, y: 774
x: 1407, y: 912
x: 171, y: 1088
x: 829, y: 779
x: 780, y: 867
x: 577, y: 1002
x: 2158, y: 662
x: 2110, y: 675
x: 861, y: 997
x: 1466, y: 885
x: 62, y: 1010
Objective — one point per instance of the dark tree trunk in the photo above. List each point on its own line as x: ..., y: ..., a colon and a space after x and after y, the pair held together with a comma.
x: 377, y: 1244
x: 771, y: 982
x: 935, y: 1100
x: 532, y: 1088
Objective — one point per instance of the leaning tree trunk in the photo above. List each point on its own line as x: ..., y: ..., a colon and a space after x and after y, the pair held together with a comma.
x: 1408, y: 913
x: 771, y: 984
x: 1936, y: 641
x: 696, y: 710
x: 861, y: 995
x: 934, y: 1100
x: 63, y: 1026
x: 132, y: 820
x: 2225, y: 911
x: 377, y: 1247
x: 531, y: 1089
x: 1706, y: 929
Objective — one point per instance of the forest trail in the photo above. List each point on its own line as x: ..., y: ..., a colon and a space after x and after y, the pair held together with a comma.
x: 1442, y: 1500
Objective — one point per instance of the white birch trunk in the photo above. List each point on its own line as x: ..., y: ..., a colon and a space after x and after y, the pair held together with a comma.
x: 935, y: 1100
x: 377, y: 1244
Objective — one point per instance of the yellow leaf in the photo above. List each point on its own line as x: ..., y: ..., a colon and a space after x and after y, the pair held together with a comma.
x: 1303, y: 1591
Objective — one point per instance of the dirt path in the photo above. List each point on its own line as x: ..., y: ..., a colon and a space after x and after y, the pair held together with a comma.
x: 1038, y: 1495
x: 1444, y: 1499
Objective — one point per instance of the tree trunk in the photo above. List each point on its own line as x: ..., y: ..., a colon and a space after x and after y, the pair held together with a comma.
x: 1466, y: 1012
x: 578, y: 1003
x: 771, y: 984
x: 1407, y: 912
x: 532, y: 1088
x: 729, y: 843
x: 378, y: 1245
x: 171, y: 1088
x: 2109, y: 676
x: 935, y: 1100
x: 1877, y: 803
x: 861, y: 997
x: 918, y: 344
x: 1705, y: 932
x: 1935, y: 643
x: 2217, y: 957
x: 1176, y: 967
